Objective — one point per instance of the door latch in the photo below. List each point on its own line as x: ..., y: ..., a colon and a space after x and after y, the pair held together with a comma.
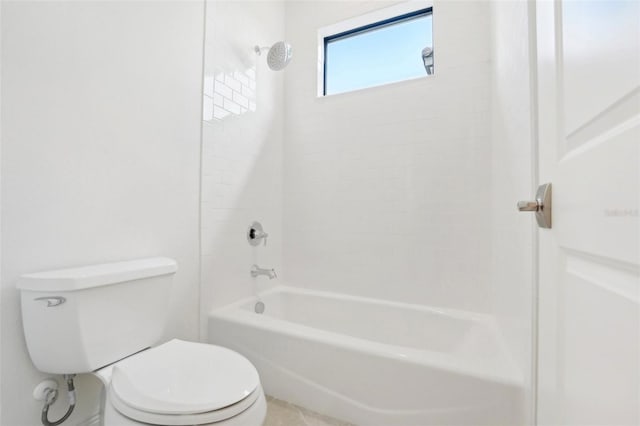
x: 541, y: 206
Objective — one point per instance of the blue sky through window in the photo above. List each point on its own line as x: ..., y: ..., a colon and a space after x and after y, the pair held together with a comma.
x: 382, y: 55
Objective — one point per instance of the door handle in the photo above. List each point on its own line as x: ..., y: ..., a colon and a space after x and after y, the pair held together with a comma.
x: 541, y: 206
x: 528, y: 206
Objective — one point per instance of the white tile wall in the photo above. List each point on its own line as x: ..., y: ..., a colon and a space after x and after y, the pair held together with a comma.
x: 242, y: 150
x: 226, y: 95
x: 386, y: 189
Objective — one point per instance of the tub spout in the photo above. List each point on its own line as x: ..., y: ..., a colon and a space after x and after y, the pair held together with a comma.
x: 256, y: 270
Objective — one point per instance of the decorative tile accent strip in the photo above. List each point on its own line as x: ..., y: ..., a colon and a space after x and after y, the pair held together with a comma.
x: 229, y: 94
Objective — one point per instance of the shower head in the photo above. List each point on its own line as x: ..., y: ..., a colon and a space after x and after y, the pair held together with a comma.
x: 279, y: 55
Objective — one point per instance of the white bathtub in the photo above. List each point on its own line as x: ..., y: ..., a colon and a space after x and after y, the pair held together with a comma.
x: 372, y: 362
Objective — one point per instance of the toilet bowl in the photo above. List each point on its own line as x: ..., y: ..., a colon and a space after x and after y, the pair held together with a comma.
x: 183, y: 383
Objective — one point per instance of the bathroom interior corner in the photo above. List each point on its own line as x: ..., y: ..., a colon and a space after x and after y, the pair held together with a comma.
x: 202, y: 224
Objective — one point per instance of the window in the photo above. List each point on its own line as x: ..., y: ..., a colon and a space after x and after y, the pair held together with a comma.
x: 386, y: 46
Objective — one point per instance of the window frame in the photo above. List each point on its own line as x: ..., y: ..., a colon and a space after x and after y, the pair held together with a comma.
x: 369, y: 21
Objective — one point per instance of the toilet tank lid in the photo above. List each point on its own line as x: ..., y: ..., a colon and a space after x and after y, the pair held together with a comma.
x: 97, y: 275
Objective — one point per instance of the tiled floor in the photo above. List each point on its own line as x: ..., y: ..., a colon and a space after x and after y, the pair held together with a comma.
x: 281, y: 413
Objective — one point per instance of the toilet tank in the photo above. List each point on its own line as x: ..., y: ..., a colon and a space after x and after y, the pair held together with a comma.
x: 80, y: 319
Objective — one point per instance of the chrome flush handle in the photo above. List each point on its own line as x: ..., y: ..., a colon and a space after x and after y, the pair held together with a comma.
x: 52, y: 300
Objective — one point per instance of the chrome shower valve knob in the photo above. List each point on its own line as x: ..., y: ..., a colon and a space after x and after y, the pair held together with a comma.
x: 255, y: 234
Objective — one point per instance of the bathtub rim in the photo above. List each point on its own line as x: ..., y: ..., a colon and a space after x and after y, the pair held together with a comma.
x: 507, y: 375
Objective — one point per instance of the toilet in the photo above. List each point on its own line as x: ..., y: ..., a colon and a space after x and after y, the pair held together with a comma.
x: 107, y: 320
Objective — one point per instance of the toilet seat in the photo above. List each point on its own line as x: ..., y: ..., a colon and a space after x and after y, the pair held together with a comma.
x: 183, y: 383
x: 184, y: 419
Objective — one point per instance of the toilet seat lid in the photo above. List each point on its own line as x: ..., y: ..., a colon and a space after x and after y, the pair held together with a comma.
x: 181, y: 377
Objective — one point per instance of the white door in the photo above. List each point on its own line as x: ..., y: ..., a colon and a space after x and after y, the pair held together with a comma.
x: 588, y: 56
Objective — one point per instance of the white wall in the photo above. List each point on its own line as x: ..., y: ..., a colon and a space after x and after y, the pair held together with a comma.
x: 386, y: 188
x: 101, y: 106
x: 512, y: 180
x: 0, y: 206
x: 242, y: 149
